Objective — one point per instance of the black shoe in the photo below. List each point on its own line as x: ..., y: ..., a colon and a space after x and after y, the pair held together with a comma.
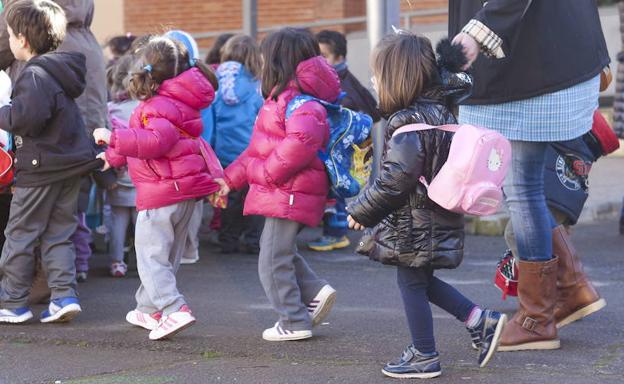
x: 486, y: 335
x: 414, y: 365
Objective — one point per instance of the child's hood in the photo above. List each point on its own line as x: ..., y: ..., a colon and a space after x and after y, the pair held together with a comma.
x: 236, y: 84
x: 319, y: 79
x: 78, y: 13
x: 68, y: 68
x: 190, y: 87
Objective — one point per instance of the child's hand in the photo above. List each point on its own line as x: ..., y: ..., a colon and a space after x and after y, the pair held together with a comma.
x: 225, y: 189
x: 354, y: 224
x: 102, y: 136
x: 102, y: 156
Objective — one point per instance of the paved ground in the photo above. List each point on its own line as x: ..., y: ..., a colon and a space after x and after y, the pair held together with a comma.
x: 366, y: 328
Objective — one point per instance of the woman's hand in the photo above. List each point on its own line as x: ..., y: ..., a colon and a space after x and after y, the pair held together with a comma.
x: 471, y: 48
x: 225, y: 189
x: 354, y: 224
x: 102, y: 136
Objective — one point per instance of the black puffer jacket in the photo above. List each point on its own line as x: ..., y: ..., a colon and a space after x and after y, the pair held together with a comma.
x: 404, y: 226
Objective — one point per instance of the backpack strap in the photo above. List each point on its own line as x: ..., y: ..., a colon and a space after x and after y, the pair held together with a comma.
x: 301, y: 99
x: 425, y: 127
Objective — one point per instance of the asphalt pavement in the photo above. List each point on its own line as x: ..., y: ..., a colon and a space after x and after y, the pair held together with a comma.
x: 366, y: 328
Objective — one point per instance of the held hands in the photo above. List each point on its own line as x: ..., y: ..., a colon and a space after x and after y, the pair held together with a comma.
x: 102, y: 136
x: 102, y: 156
x: 354, y: 224
x: 225, y: 189
x: 471, y: 47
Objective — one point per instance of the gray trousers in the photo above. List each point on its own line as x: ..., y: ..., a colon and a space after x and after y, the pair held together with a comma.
x: 191, y: 250
x: 121, y: 217
x: 45, y: 216
x: 289, y: 283
x: 160, y: 241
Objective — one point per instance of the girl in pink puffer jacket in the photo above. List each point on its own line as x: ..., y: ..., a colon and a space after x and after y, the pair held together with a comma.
x: 287, y: 180
x: 171, y: 167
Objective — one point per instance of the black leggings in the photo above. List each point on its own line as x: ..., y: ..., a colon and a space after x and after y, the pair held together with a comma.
x: 419, y: 287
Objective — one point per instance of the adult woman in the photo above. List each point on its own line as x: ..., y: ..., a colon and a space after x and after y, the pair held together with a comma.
x: 538, y: 84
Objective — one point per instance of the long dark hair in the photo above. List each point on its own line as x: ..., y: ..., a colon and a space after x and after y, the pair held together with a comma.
x: 282, y: 52
x: 214, y: 54
x: 162, y: 59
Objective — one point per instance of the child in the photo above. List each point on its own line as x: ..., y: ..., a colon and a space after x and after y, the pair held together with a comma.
x: 53, y: 152
x: 122, y: 196
x: 407, y: 229
x: 170, y: 170
x: 233, y: 115
x: 287, y: 180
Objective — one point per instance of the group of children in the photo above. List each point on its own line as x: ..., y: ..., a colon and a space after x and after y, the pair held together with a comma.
x: 164, y: 168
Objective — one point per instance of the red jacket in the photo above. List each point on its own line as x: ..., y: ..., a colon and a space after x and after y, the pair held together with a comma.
x: 281, y: 165
x: 163, y: 146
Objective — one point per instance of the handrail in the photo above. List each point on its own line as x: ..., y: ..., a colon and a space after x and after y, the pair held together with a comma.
x: 406, y: 16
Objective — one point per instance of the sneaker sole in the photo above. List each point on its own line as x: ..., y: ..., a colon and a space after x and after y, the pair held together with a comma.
x: 68, y: 313
x: 324, y: 310
x: 327, y: 248
x: 495, y: 340
x: 534, y: 346
x: 583, y: 312
x: 17, y: 319
x: 288, y: 338
x: 428, y: 375
x: 174, y: 332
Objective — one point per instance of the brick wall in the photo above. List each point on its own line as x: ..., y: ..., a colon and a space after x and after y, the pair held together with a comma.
x: 155, y: 16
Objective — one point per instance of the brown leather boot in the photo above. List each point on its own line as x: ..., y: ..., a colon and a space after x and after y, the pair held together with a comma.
x: 576, y: 296
x: 533, y: 324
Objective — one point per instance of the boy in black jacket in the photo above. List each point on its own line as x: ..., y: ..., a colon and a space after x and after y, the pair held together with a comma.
x: 52, y: 152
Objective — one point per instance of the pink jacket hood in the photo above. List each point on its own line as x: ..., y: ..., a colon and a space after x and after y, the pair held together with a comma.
x: 319, y: 79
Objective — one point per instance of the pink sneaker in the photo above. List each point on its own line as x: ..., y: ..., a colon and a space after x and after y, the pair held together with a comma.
x: 173, y: 324
x: 144, y: 320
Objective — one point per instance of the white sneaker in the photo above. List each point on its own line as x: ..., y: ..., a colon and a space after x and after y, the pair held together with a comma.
x: 172, y: 324
x: 322, y: 304
x: 188, y: 260
x: 15, y: 316
x: 118, y: 269
x: 143, y: 320
x: 277, y: 333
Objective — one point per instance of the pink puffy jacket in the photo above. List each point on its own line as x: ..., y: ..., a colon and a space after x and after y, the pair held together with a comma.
x: 163, y: 148
x: 281, y: 165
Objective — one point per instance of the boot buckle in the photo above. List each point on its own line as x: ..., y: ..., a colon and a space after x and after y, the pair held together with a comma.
x: 529, y: 324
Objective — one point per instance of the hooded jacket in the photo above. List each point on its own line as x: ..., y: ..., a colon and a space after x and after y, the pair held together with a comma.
x: 50, y: 139
x: 404, y: 227
x: 357, y: 97
x: 163, y: 148
x: 78, y: 38
x: 286, y: 177
x: 234, y: 111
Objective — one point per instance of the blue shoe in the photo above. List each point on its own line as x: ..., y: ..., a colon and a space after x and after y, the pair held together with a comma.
x: 61, y: 310
x: 329, y: 243
x: 15, y: 316
x: 486, y: 335
x: 414, y: 365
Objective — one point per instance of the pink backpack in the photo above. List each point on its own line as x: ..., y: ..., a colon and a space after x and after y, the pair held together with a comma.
x: 471, y: 179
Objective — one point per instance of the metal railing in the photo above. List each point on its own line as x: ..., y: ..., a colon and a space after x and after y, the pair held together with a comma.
x: 406, y: 17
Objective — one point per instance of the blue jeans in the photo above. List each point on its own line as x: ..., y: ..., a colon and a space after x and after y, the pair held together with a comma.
x: 524, y: 191
x: 418, y: 288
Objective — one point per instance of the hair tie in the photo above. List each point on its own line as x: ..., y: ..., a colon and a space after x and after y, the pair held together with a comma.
x: 192, y: 61
x: 148, y: 68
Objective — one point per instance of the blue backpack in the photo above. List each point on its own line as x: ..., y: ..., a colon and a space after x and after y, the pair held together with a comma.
x: 347, y: 130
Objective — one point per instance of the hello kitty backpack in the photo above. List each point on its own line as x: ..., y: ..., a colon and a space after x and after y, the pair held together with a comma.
x: 470, y: 181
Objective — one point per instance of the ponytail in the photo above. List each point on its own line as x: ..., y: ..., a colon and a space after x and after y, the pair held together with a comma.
x: 208, y: 72
x: 142, y: 85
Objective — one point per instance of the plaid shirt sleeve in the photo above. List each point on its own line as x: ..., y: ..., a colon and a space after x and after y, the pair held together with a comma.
x: 491, y: 44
